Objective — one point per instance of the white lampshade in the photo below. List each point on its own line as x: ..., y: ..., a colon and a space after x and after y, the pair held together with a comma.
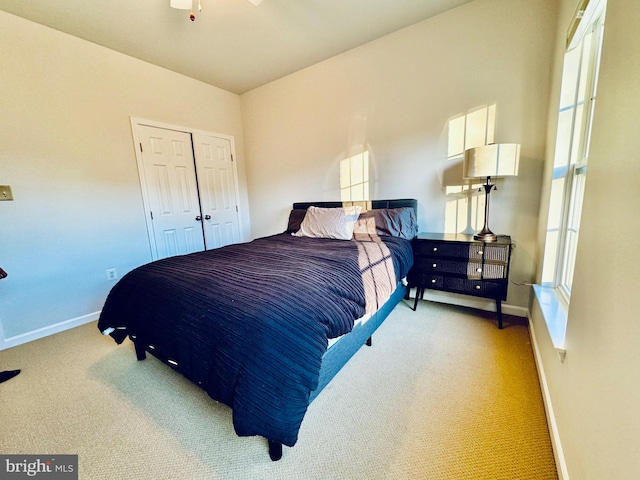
x: 495, y: 160
x: 182, y: 4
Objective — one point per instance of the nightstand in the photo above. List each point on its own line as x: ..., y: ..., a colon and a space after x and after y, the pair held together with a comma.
x: 457, y: 263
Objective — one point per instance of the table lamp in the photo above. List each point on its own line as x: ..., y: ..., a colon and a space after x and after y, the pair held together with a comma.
x: 486, y: 161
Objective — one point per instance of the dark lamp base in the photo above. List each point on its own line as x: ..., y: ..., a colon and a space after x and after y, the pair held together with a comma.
x: 487, y: 236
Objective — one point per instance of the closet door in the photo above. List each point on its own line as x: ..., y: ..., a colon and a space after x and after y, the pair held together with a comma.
x: 218, y: 189
x: 169, y: 185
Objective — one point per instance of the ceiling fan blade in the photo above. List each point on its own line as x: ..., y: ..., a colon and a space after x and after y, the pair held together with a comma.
x: 256, y: 2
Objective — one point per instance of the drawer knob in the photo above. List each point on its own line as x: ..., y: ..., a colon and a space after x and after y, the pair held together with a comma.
x: 480, y: 252
x: 478, y: 270
x: 477, y: 287
x: 435, y: 265
x: 433, y: 280
x: 435, y: 249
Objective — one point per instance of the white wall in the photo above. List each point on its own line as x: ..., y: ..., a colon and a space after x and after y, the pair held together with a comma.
x: 595, y: 393
x: 66, y: 149
x: 396, y: 96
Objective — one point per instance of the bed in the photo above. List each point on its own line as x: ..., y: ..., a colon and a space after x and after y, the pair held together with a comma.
x: 263, y: 326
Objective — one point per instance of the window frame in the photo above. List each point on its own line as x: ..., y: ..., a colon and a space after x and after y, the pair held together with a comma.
x: 558, y: 266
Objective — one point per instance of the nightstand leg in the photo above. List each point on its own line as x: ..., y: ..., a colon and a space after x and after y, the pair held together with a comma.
x: 419, y: 295
x: 499, y: 310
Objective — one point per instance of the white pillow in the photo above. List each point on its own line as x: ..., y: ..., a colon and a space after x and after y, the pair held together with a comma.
x: 335, y: 223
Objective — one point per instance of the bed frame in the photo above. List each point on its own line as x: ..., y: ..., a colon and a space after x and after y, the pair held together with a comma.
x: 339, y: 353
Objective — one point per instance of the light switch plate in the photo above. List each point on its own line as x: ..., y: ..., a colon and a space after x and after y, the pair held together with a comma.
x: 5, y: 192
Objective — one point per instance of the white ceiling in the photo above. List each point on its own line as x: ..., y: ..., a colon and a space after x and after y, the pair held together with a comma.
x: 232, y: 44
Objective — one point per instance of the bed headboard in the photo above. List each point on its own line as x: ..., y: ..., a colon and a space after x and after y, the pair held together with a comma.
x: 384, y: 224
x: 366, y: 205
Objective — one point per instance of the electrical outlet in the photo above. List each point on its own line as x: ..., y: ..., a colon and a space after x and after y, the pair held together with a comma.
x: 5, y: 192
x: 112, y: 274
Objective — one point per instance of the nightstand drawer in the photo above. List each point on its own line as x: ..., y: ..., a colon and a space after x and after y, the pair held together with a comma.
x: 433, y: 265
x: 480, y: 288
x: 494, y: 270
x: 490, y: 253
x: 427, y: 279
x: 437, y: 265
x: 464, y: 251
x: 441, y: 249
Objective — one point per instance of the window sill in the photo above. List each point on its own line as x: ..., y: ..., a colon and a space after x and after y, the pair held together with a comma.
x: 554, y: 313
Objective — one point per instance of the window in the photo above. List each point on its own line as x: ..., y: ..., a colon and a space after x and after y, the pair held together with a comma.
x: 354, y: 177
x: 577, y: 103
x: 465, y: 203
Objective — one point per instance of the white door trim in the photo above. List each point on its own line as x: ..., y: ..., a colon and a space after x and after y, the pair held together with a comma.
x: 135, y: 123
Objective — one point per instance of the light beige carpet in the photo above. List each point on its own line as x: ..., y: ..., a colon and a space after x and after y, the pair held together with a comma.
x: 441, y: 394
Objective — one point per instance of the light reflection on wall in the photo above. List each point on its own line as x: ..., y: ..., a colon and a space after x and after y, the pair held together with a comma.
x: 464, y: 212
x: 354, y: 177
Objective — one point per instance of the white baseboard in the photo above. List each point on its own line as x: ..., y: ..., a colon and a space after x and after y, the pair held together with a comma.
x: 474, y: 302
x: 48, y: 330
x: 561, y: 464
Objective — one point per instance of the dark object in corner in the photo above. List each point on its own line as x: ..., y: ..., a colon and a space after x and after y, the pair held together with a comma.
x: 8, y: 375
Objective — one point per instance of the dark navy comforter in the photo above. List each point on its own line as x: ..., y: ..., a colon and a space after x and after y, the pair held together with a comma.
x: 249, y: 322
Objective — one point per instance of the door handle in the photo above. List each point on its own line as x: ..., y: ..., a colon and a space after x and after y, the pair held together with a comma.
x: 207, y: 217
x: 198, y: 218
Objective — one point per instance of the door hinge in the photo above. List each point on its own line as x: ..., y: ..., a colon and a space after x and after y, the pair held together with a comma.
x: 141, y: 147
x: 151, y: 213
x: 232, y: 158
x: 236, y: 208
